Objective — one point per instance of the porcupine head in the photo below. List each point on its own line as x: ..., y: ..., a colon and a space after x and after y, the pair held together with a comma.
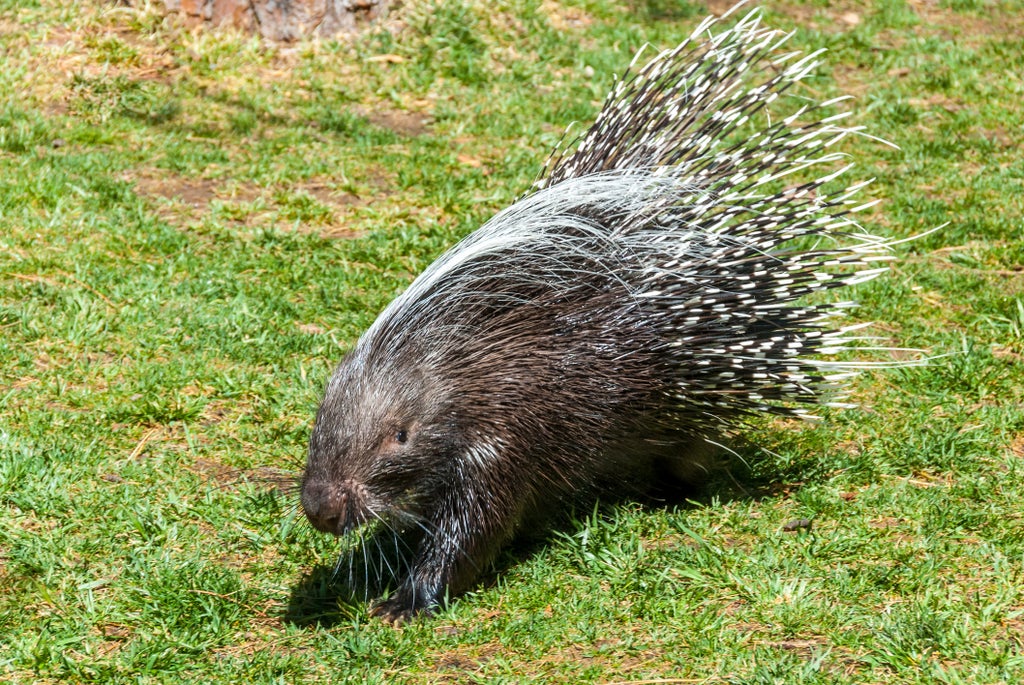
x: 645, y: 297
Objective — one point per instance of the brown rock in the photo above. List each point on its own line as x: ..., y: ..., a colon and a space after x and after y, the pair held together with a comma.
x: 283, y: 20
x: 231, y: 13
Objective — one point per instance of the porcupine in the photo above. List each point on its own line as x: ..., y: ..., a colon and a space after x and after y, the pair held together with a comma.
x: 643, y: 300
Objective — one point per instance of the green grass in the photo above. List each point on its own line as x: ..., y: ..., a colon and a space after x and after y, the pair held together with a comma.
x: 195, y: 226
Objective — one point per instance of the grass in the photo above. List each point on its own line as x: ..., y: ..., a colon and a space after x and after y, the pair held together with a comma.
x: 194, y: 227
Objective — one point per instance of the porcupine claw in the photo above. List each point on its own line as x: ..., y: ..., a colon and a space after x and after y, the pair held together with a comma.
x: 404, y: 604
x: 393, y: 611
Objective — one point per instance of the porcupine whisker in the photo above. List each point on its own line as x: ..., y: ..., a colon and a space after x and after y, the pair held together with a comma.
x: 382, y: 561
x: 396, y: 534
x: 366, y: 566
x: 358, y: 548
x: 370, y: 551
x: 292, y: 509
x: 400, y: 558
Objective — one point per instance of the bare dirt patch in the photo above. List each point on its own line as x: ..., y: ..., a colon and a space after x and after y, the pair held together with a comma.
x: 805, y: 648
x: 457, y: 665
x: 835, y: 18
x: 226, y: 477
x: 565, y: 18
x: 329, y: 195
x: 968, y: 28
x: 1013, y: 628
x: 402, y: 122
x: 184, y: 201
x: 452, y: 665
x: 193, y: 193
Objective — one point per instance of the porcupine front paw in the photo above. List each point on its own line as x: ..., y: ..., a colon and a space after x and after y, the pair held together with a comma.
x: 404, y: 605
x: 393, y: 611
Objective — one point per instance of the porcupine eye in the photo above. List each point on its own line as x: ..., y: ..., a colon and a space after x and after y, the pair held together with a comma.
x: 401, y: 437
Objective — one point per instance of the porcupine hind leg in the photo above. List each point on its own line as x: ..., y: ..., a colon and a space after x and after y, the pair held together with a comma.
x: 687, y: 460
x: 665, y: 465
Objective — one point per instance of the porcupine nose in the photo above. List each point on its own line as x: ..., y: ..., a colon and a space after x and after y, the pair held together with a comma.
x: 326, y: 506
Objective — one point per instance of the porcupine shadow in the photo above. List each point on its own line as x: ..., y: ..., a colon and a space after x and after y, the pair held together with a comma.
x: 332, y: 594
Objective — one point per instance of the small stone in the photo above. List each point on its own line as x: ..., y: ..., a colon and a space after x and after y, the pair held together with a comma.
x: 797, y: 524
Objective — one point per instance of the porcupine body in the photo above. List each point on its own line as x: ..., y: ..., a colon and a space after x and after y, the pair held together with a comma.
x: 642, y: 300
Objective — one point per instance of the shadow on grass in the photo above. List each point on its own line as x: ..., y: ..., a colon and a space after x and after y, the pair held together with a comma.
x: 318, y: 601
x: 329, y: 596
x: 368, y: 568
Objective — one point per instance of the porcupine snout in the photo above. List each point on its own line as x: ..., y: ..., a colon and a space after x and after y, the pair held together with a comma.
x: 334, y: 508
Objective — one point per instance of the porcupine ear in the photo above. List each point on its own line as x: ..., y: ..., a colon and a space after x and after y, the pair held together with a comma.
x: 682, y: 104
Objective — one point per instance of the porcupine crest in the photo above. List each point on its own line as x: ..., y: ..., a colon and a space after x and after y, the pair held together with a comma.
x: 648, y: 293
